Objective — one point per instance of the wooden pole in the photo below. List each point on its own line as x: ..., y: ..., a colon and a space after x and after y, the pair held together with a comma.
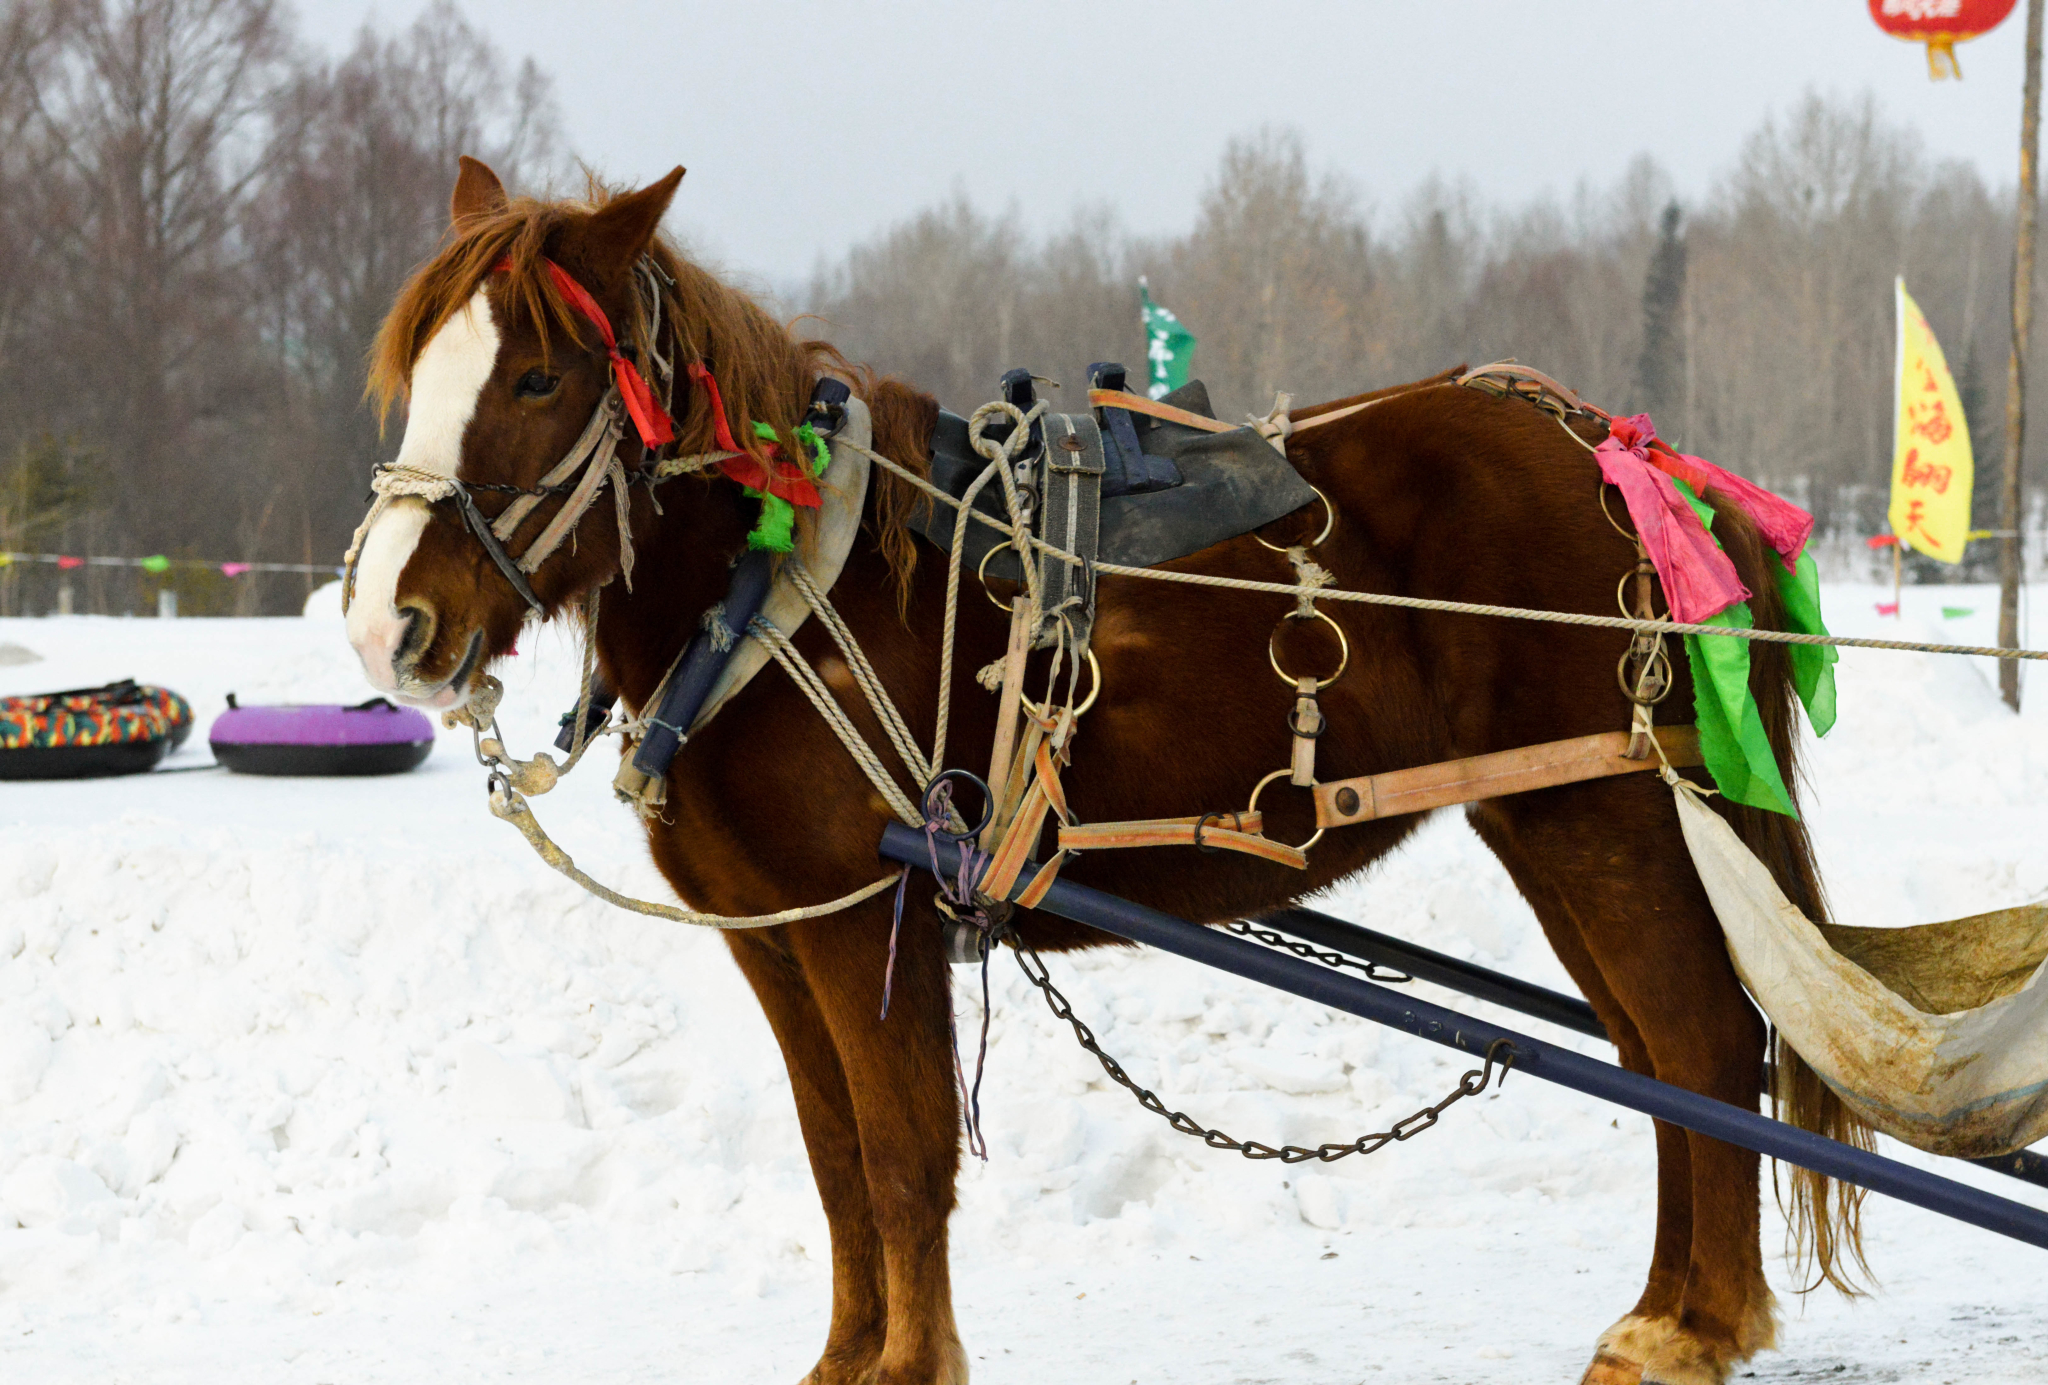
x: 2011, y: 565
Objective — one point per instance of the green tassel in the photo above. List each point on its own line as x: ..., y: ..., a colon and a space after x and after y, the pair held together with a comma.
x: 776, y: 529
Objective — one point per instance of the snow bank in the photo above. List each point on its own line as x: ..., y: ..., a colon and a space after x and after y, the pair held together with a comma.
x: 333, y: 1080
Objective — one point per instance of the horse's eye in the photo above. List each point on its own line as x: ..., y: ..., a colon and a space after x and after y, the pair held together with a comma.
x: 536, y: 384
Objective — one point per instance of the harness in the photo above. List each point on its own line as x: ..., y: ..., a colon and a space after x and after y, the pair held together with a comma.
x: 1048, y: 502
x: 1050, y: 472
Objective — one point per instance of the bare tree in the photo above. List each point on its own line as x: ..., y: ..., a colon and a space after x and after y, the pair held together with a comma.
x: 1759, y: 332
x: 351, y: 207
x: 159, y: 118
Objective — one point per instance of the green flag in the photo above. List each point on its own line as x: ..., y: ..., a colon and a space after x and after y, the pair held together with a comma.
x: 1169, y: 346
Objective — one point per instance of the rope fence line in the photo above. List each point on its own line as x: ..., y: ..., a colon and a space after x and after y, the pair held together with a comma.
x: 1470, y: 608
x: 158, y: 563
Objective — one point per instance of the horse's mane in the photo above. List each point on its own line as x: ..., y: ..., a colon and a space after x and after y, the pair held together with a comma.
x: 764, y: 371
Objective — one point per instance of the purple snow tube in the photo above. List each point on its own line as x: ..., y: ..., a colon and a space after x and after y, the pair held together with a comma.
x: 373, y: 737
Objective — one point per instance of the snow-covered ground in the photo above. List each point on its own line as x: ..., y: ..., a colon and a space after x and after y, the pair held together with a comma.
x: 331, y: 1081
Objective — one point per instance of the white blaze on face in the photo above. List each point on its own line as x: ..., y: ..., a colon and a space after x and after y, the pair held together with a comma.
x: 447, y: 380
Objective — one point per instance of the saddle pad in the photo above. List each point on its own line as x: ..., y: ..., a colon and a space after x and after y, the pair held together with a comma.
x: 1231, y: 484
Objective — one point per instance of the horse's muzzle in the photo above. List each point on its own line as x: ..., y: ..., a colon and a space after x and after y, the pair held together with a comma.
x: 394, y: 649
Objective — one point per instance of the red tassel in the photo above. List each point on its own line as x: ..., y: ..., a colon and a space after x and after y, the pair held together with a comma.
x: 655, y: 426
x: 786, y: 479
x: 650, y: 420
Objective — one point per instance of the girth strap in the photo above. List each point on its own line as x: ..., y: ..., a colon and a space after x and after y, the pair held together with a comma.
x: 1072, y: 520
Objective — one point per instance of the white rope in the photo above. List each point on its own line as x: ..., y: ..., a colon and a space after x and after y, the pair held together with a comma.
x: 507, y: 803
x: 949, y: 631
x: 1470, y: 608
x: 998, y: 455
x: 389, y: 483
x: 885, y: 709
x: 813, y: 686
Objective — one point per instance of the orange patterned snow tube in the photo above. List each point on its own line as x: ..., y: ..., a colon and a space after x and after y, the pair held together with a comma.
x: 122, y: 728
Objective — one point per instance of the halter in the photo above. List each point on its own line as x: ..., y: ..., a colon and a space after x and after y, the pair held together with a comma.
x: 778, y: 481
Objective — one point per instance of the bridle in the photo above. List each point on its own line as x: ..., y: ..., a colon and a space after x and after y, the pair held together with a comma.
x: 595, y: 453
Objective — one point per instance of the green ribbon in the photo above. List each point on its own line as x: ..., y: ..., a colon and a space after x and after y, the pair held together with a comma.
x: 776, y: 529
x: 1732, y: 741
x: 156, y: 563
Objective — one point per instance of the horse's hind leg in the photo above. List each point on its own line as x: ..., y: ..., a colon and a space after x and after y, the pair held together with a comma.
x: 825, y: 1111
x: 1619, y: 1356
x: 1611, y: 859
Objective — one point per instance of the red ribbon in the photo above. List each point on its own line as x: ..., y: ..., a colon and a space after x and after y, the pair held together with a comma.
x: 785, y: 479
x: 649, y: 418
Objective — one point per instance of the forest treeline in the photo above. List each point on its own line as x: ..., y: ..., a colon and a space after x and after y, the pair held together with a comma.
x: 1754, y: 323
x: 202, y: 221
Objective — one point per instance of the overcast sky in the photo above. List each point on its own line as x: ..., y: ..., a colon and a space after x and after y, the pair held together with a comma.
x: 807, y: 126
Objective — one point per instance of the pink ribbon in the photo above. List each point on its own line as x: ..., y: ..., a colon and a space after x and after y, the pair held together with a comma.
x: 1699, y: 580
x: 233, y: 569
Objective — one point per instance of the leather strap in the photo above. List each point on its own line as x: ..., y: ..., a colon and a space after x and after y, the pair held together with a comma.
x: 1341, y: 802
x: 1208, y: 831
x: 1333, y: 415
x: 1070, y: 518
x: 1506, y: 376
x: 1139, y: 404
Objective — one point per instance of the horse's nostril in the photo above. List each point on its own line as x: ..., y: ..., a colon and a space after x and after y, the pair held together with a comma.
x: 419, y: 633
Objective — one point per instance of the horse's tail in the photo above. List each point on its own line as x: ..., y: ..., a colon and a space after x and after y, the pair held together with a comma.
x: 1826, y: 1216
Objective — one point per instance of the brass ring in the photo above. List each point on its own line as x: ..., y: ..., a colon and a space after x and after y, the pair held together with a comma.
x: 1661, y: 656
x: 981, y: 575
x: 1329, y: 523
x: 1273, y: 655
x: 1253, y: 806
x: 1094, y: 691
x: 1621, y: 593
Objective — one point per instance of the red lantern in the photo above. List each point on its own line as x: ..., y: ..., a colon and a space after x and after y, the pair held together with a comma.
x: 1940, y: 24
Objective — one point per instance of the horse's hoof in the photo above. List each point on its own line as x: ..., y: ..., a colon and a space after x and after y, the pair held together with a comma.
x: 1683, y: 1361
x: 1608, y: 1369
x: 829, y: 1372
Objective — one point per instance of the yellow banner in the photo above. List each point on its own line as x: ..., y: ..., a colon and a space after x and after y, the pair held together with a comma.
x: 1932, y: 470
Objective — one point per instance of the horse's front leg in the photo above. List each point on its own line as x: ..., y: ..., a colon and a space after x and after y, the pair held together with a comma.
x: 899, y: 1074
x: 853, y: 1347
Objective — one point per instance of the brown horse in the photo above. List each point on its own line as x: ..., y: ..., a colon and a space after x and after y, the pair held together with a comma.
x: 1440, y: 491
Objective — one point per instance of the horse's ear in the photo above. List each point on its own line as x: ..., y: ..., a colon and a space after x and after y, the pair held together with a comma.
x: 477, y: 191
x: 619, y: 231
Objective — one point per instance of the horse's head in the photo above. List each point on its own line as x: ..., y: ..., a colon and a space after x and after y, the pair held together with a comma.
x: 503, y: 367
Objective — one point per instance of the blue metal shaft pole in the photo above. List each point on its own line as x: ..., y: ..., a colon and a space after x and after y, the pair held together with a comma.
x: 1659, y: 1100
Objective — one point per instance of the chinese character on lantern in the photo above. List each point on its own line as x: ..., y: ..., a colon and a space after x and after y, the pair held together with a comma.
x: 1940, y: 24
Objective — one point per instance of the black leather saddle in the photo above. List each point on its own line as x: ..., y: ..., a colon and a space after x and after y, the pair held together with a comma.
x: 1167, y: 490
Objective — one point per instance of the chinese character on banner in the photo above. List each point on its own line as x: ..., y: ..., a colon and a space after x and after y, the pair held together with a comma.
x: 1169, y: 346
x: 1932, y: 470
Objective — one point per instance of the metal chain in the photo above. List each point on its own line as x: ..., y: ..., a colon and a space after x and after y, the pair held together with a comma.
x: 1372, y: 970
x: 1500, y: 1056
